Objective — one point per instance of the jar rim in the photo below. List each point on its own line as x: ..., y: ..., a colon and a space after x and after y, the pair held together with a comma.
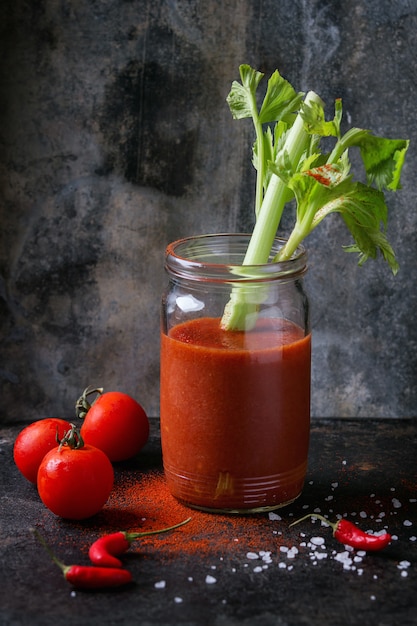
x: 214, y: 257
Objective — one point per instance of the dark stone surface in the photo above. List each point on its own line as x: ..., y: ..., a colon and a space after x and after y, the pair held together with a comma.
x: 116, y: 139
x: 356, y: 467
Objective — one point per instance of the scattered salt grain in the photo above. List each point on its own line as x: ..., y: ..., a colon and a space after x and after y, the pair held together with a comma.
x: 317, y: 541
x: 407, y: 522
x: 373, y: 597
x: 161, y: 584
x: 396, y: 503
x: 329, y: 498
x: 413, y: 500
x: 335, y: 485
x: 283, y: 549
x: 252, y: 555
x: 363, y: 514
x: 274, y: 517
x: 345, y: 559
x: 413, y: 538
x: 257, y: 569
x: 210, y: 580
x: 265, y: 556
x: 291, y: 554
x: 178, y: 600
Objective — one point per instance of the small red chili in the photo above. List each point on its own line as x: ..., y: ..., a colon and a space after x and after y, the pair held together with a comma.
x: 103, y: 551
x: 349, y: 534
x: 88, y: 576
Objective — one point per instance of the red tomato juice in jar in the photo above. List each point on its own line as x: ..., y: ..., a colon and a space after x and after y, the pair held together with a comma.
x: 235, y: 413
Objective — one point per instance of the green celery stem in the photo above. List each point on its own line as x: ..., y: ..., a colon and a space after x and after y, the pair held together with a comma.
x: 266, y: 225
x: 276, y: 195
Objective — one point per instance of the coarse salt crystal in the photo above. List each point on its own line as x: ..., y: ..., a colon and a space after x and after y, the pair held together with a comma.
x: 404, y: 573
x: 362, y: 514
x: 291, y: 554
x: 282, y: 565
x: 329, y: 498
x: 317, y: 541
x: 335, y: 485
x: 178, y: 600
x: 274, y: 516
x: 210, y: 580
x: 403, y: 564
x: 407, y: 522
x: 413, y: 538
x: 345, y: 559
x: 283, y: 549
x: 396, y: 503
x: 257, y: 569
x: 161, y: 584
x: 252, y: 555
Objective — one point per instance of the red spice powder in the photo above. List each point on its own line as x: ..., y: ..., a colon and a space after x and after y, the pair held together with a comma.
x: 142, y: 502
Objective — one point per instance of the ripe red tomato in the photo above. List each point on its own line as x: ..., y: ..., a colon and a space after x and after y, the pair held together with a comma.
x: 34, y: 441
x: 116, y: 424
x: 75, y: 483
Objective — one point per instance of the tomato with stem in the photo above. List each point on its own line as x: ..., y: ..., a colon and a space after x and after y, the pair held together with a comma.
x: 75, y: 479
x: 113, y: 422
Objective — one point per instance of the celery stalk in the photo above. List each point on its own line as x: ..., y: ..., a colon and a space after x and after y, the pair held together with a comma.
x: 239, y: 313
x: 290, y: 165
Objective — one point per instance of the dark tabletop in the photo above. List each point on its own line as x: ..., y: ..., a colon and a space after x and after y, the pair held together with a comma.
x: 254, y: 571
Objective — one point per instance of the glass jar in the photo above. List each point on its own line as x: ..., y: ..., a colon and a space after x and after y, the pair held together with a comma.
x: 235, y: 403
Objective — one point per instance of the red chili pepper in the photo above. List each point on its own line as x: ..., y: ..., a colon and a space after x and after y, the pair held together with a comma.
x: 102, y: 552
x: 89, y: 577
x: 349, y: 534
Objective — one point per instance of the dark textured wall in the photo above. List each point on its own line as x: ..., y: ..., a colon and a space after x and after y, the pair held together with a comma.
x: 115, y: 139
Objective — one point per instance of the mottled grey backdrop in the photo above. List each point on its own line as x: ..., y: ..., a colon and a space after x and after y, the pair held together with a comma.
x: 115, y: 139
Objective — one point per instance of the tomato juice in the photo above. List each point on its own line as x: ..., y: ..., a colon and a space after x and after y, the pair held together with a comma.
x: 235, y: 413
